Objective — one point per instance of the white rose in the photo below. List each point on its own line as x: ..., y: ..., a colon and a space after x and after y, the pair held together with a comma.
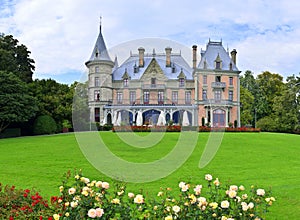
x: 225, y: 204
x: 260, y: 192
x: 176, y: 208
x: 71, y: 191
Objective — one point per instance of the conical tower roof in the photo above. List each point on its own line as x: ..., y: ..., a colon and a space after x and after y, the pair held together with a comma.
x: 100, y: 52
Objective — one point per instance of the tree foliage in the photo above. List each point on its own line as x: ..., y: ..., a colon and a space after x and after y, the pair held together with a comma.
x: 247, y: 100
x: 44, y: 124
x: 15, y: 58
x: 15, y: 103
x: 275, y: 103
x: 54, y: 99
x: 81, y: 113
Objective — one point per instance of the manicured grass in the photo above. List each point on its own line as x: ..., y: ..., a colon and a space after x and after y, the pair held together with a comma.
x: 263, y: 159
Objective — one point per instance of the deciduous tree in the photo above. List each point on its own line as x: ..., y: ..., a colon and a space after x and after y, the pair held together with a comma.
x: 16, y: 105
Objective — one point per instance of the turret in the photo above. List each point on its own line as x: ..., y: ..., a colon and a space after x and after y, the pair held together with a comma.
x: 100, y: 79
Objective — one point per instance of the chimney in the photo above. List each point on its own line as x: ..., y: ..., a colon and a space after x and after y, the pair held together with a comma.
x: 194, y: 56
x: 168, y: 56
x: 233, y: 56
x: 141, y: 57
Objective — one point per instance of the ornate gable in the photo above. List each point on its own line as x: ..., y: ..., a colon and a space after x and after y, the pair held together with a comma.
x: 153, y: 71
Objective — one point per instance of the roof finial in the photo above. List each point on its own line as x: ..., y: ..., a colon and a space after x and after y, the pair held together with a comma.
x: 100, y: 22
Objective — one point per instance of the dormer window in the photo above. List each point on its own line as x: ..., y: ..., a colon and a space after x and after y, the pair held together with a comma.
x: 181, y: 78
x: 173, y: 68
x: 230, y: 66
x: 125, y: 78
x: 96, y: 53
x: 181, y: 82
x: 135, y: 68
x: 205, y: 65
x: 125, y: 82
x: 218, y: 63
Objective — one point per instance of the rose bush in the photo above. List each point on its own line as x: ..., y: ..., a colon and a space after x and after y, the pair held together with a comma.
x: 23, y: 204
x: 209, y: 200
x: 82, y: 198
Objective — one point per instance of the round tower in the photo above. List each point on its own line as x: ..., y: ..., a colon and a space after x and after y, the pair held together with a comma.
x: 99, y: 79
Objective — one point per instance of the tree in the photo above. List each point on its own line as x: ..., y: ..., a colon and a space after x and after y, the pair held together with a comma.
x: 15, y: 58
x: 285, y: 111
x: 270, y: 85
x: 54, y: 99
x: 247, y: 100
x: 15, y: 103
x: 248, y: 82
x: 80, y: 110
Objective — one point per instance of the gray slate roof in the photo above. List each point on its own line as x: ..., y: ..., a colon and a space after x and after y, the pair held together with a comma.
x: 213, y: 49
x: 100, y: 52
x: 176, y: 60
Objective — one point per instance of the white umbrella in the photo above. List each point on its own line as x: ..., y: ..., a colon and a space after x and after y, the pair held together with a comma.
x: 161, y: 119
x: 119, y: 120
x: 185, y: 119
x: 139, y: 119
x: 114, y: 121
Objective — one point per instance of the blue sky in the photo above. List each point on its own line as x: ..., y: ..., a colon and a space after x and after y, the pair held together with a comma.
x: 61, y: 33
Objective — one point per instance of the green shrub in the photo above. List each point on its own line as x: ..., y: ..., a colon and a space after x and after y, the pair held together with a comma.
x: 44, y: 124
x: 267, y: 124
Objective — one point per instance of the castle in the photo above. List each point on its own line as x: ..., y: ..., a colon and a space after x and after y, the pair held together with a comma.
x: 155, y: 89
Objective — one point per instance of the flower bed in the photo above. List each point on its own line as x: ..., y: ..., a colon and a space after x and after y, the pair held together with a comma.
x: 81, y: 198
x: 228, y: 129
x: 173, y: 128
x: 178, y: 128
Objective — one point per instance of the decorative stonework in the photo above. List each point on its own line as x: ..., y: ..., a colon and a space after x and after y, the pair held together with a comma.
x: 153, y: 71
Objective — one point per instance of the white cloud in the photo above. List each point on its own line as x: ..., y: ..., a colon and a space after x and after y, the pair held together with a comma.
x: 61, y: 33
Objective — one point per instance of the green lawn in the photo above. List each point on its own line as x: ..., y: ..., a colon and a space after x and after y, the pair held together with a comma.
x: 263, y: 159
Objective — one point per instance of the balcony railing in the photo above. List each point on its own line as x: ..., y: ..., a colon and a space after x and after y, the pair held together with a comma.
x: 218, y: 85
x: 151, y: 102
x: 217, y: 102
x: 154, y: 86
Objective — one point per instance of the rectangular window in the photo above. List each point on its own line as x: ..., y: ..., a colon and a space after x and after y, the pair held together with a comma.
x: 181, y: 82
x: 97, y: 114
x: 218, y: 78
x: 97, y: 82
x: 146, y: 97
x: 153, y: 82
x: 230, y: 81
x: 230, y: 95
x: 119, y: 97
x: 97, y: 95
x: 97, y: 69
x: 160, y: 97
x: 174, y: 97
x: 132, y: 97
x: 218, y: 95
x: 204, y: 79
x: 218, y: 65
x: 204, y: 94
x: 187, y: 97
x: 125, y: 82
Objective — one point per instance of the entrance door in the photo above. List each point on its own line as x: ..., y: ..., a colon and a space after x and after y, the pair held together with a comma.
x: 219, y: 118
